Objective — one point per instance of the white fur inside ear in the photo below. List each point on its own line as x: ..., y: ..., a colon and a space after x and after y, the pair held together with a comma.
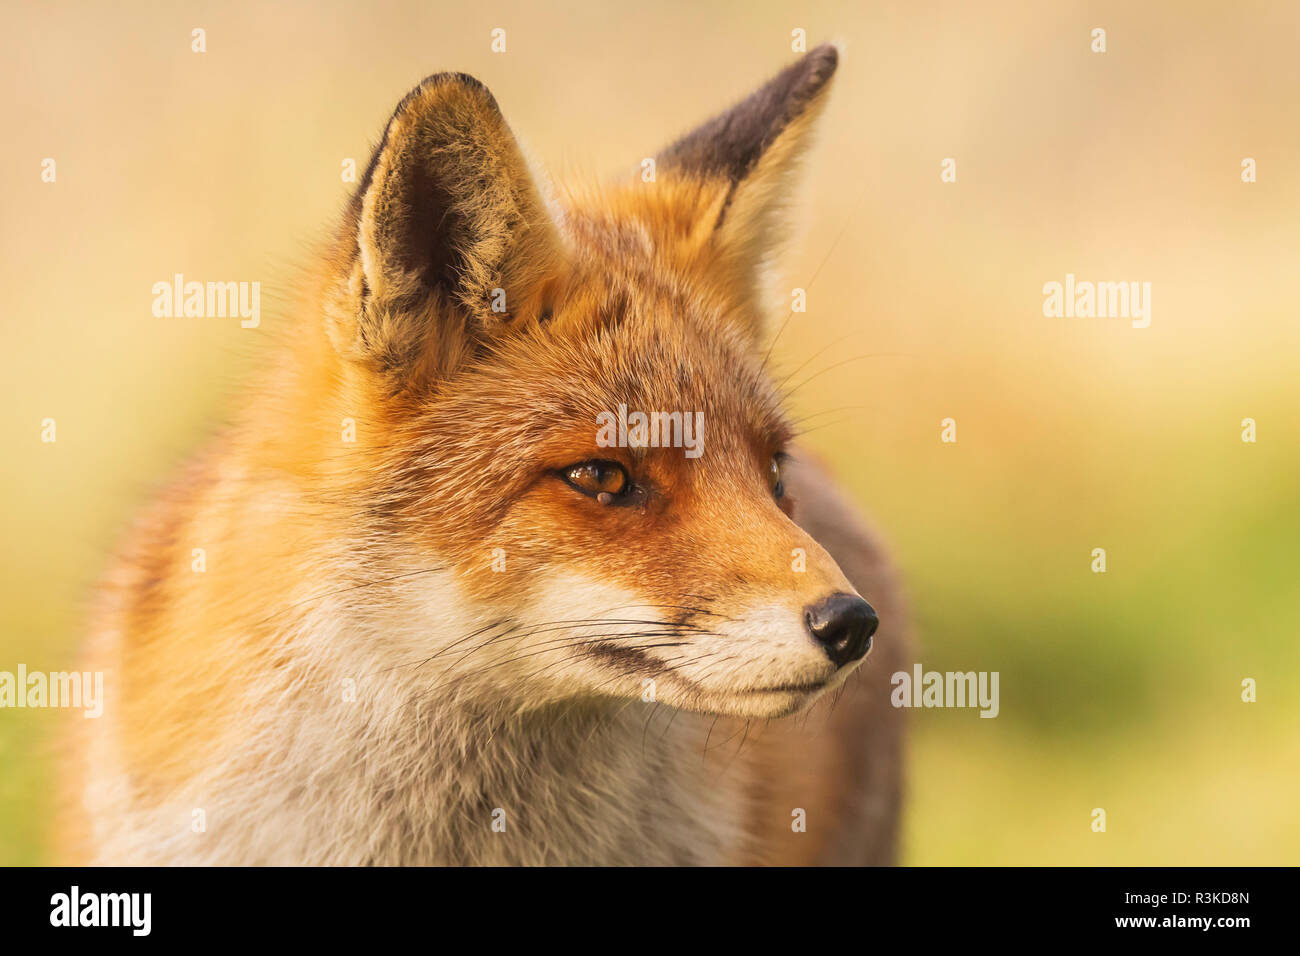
x: 369, y: 239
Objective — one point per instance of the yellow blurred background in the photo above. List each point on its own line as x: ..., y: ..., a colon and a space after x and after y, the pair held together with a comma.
x: 1119, y: 690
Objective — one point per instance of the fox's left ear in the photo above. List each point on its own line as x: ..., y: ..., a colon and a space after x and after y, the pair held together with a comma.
x: 449, y: 239
x: 743, y: 161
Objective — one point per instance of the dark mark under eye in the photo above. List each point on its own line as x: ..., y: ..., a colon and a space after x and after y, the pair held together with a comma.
x: 630, y: 660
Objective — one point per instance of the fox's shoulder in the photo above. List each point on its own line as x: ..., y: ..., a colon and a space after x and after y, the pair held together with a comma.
x: 175, y: 613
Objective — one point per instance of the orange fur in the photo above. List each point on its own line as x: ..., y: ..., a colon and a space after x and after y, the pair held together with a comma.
x: 332, y: 561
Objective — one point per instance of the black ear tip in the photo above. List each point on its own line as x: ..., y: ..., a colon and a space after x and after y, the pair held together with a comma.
x: 800, y: 82
x: 818, y: 66
x: 732, y: 142
x: 826, y: 57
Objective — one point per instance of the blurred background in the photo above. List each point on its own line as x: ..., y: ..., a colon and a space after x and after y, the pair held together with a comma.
x: 1119, y: 690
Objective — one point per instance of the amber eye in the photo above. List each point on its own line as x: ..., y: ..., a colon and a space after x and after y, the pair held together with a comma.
x: 774, y: 477
x: 596, y: 478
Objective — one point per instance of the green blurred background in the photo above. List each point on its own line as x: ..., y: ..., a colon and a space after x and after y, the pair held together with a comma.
x: 1118, y: 690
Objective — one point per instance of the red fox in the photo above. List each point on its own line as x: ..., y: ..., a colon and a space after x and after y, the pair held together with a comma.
x: 455, y: 601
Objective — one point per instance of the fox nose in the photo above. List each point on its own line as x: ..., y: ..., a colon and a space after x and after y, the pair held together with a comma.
x: 842, y: 624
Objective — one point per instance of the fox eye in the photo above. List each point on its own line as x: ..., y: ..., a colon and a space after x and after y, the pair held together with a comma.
x: 604, y: 480
x: 774, y: 477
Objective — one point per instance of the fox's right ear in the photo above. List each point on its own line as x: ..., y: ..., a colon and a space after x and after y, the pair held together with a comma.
x: 737, y: 170
x: 450, y: 241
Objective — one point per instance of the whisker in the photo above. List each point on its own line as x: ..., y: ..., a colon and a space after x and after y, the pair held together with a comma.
x: 784, y: 396
x: 816, y: 272
x: 831, y: 411
x: 821, y: 351
x: 705, y: 752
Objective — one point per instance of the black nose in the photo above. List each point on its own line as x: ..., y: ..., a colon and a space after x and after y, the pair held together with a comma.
x: 842, y: 624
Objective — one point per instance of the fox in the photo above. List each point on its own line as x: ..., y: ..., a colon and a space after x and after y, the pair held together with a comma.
x: 409, y: 605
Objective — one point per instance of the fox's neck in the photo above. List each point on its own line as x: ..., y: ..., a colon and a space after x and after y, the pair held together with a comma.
x: 405, y: 776
x: 570, y: 783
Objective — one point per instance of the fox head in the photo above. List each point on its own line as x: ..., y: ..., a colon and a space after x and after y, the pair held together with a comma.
x: 569, y: 457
